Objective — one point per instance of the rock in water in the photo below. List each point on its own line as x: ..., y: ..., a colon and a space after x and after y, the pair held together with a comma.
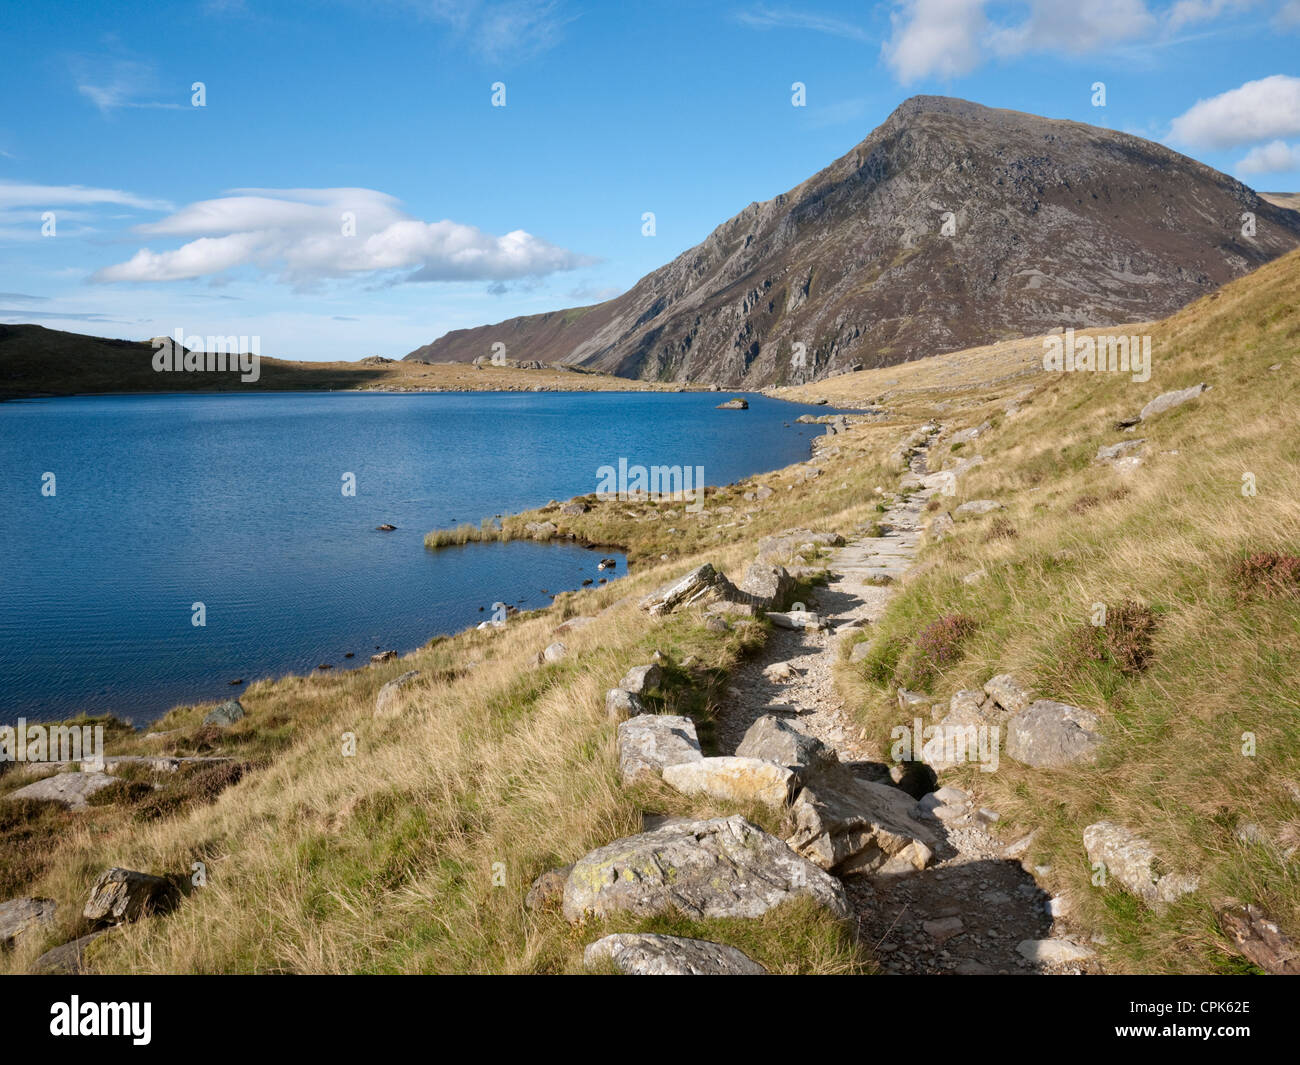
x: 122, y: 895
x: 734, y: 404
x: 649, y: 742
x: 655, y: 955
x: 726, y: 867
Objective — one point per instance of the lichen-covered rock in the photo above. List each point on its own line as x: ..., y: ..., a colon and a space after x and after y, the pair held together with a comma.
x: 649, y: 742
x: 1169, y: 400
x: 1008, y: 693
x: 1131, y: 862
x: 225, y: 715
x: 732, y: 779
x: 389, y: 701
x: 70, y: 789
x: 773, y: 739
x: 857, y: 826
x: 769, y: 585
x: 1052, y: 735
x: 703, y: 584
x: 724, y: 867
x: 621, y: 704
x: 656, y: 955
x: 24, y: 917
x: 122, y: 895
x: 641, y: 680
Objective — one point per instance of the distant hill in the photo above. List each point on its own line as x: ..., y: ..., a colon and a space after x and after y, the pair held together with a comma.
x: 1053, y: 223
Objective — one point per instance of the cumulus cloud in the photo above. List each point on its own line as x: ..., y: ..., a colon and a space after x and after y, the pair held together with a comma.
x: 1257, y: 111
x: 941, y: 38
x: 1276, y: 157
x: 305, y: 235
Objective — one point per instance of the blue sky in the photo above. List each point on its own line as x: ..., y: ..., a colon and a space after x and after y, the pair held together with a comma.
x: 230, y: 218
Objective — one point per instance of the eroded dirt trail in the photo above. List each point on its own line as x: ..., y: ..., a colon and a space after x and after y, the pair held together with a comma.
x: 970, y: 910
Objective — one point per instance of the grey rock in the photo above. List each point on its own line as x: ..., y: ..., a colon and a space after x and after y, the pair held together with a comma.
x: 68, y: 959
x: 940, y: 528
x: 1131, y: 861
x: 388, y: 702
x: 732, y: 779
x: 773, y: 739
x: 1052, y: 735
x: 1124, y: 449
x: 1008, y: 693
x: 621, y: 704
x: 702, y: 584
x: 656, y: 955
x: 226, y: 714
x: 553, y: 652
x: 1169, y: 400
x: 123, y: 895
x: 725, y: 867
x: 797, y: 620
x: 547, y: 891
x: 642, y: 680
x: 977, y: 506
x: 770, y: 586
x: 24, y: 917
x: 541, y: 530
x: 70, y: 789
x: 1054, y: 951
x: 649, y: 742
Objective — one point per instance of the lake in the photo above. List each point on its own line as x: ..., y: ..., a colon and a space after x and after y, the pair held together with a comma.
x: 235, y: 501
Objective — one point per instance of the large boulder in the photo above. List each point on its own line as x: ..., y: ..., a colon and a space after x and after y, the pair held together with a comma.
x: 70, y: 789
x: 1131, y: 862
x: 732, y: 779
x: 770, y: 586
x: 649, y: 742
x: 856, y: 826
x: 388, y: 703
x: 773, y: 739
x: 656, y: 955
x: 23, y: 917
x: 123, y: 895
x: 1170, y: 400
x: 225, y: 715
x: 1052, y: 735
x: 725, y: 867
x: 703, y: 584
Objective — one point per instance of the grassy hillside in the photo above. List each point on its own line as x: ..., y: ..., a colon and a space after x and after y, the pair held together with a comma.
x: 415, y: 853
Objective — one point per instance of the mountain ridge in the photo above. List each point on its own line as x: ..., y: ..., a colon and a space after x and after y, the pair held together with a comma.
x: 853, y: 263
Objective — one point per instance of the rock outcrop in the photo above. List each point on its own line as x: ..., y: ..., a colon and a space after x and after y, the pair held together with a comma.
x: 655, y: 955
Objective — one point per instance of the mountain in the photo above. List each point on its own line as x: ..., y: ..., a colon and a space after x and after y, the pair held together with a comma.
x: 1053, y: 224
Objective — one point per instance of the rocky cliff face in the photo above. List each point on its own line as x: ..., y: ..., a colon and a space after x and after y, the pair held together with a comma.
x: 951, y: 225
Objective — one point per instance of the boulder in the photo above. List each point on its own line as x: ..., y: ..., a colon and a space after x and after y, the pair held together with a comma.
x: 855, y: 826
x: 780, y: 672
x: 725, y: 867
x: 572, y: 625
x: 541, y: 530
x: 795, y: 619
x: 648, y: 743
x: 1130, y: 861
x: 552, y: 653
x: 642, y: 680
x: 977, y: 506
x: 770, y: 586
x: 774, y: 740
x: 1257, y: 938
x: 388, y: 703
x: 1052, y: 735
x: 122, y: 895
x: 70, y: 789
x: 225, y: 715
x: 702, y: 584
x: 572, y: 510
x: 1008, y: 693
x: 1054, y: 951
x: 1115, y: 452
x: 732, y: 779
x: 940, y: 528
x: 733, y: 404
x: 621, y: 704
x: 68, y: 959
x: 23, y: 917
x: 385, y: 656
x: 1169, y: 400
x: 655, y: 955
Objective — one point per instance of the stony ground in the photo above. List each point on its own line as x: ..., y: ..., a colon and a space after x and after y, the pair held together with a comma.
x: 968, y: 912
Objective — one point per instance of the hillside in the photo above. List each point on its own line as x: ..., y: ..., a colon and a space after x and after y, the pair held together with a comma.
x: 1055, y: 224
x: 447, y: 841
x: 35, y: 361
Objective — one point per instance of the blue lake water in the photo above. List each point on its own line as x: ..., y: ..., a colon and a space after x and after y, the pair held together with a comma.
x: 235, y: 501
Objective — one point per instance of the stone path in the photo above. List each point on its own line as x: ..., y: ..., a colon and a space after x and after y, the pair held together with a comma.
x: 969, y: 912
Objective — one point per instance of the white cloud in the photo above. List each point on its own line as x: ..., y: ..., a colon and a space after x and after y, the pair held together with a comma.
x: 497, y: 29
x: 299, y: 235
x: 1288, y: 14
x: 16, y: 194
x: 940, y: 38
x: 1257, y: 111
x: 1276, y: 157
x: 1074, y: 26
x: 1186, y: 12
x: 763, y: 17
x: 117, y: 83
